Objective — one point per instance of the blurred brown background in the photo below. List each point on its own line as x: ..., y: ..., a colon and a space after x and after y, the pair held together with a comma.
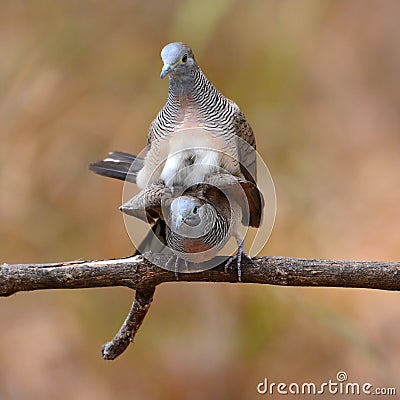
x: 318, y: 80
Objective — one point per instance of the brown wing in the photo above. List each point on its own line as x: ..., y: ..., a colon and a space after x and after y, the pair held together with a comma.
x: 246, y: 145
x: 146, y: 205
x: 247, y: 195
x: 248, y: 166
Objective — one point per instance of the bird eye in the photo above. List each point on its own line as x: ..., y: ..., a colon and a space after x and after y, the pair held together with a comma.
x: 194, y: 210
x: 184, y: 58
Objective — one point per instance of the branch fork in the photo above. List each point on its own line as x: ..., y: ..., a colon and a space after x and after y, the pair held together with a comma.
x: 138, y: 273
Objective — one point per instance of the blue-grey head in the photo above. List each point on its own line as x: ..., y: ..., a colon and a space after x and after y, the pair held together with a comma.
x: 178, y: 60
x: 191, y: 217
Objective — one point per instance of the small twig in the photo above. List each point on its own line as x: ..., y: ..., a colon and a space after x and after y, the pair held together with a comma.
x: 138, y: 273
x: 134, y: 319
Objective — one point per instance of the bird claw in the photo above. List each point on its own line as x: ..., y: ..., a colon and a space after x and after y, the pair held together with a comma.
x: 238, y: 257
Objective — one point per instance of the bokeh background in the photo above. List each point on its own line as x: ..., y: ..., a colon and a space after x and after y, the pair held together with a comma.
x: 318, y: 80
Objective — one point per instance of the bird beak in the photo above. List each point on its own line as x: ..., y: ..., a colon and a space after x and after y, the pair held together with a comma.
x: 126, y: 209
x: 178, y: 222
x: 166, y: 69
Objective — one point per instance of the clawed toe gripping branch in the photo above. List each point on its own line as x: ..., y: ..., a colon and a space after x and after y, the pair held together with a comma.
x: 138, y: 273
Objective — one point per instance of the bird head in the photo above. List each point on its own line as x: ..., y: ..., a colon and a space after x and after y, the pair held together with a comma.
x: 185, y: 210
x: 178, y: 60
x: 191, y: 216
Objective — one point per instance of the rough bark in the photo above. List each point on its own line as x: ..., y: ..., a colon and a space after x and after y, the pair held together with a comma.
x: 138, y: 273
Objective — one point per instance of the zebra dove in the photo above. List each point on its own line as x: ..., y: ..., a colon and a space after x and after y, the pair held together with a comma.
x: 194, y: 103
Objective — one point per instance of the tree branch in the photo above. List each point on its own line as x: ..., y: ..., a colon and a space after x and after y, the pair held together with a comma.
x: 134, y: 319
x: 138, y: 273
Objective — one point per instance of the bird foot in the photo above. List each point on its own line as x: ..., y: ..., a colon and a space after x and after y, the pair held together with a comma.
x: 174, y: 258
x: 238, y: 257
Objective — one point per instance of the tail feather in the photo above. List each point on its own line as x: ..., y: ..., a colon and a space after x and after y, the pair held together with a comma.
x: 155, y: 241
x: 118, y: 165
x: 125, y: 166
x: 122, y: 156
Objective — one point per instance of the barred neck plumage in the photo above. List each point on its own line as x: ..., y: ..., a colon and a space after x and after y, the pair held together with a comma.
x: 218, y: 236
x: 181, y: 86
x: 215, y: 238
x: 193, y: 87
